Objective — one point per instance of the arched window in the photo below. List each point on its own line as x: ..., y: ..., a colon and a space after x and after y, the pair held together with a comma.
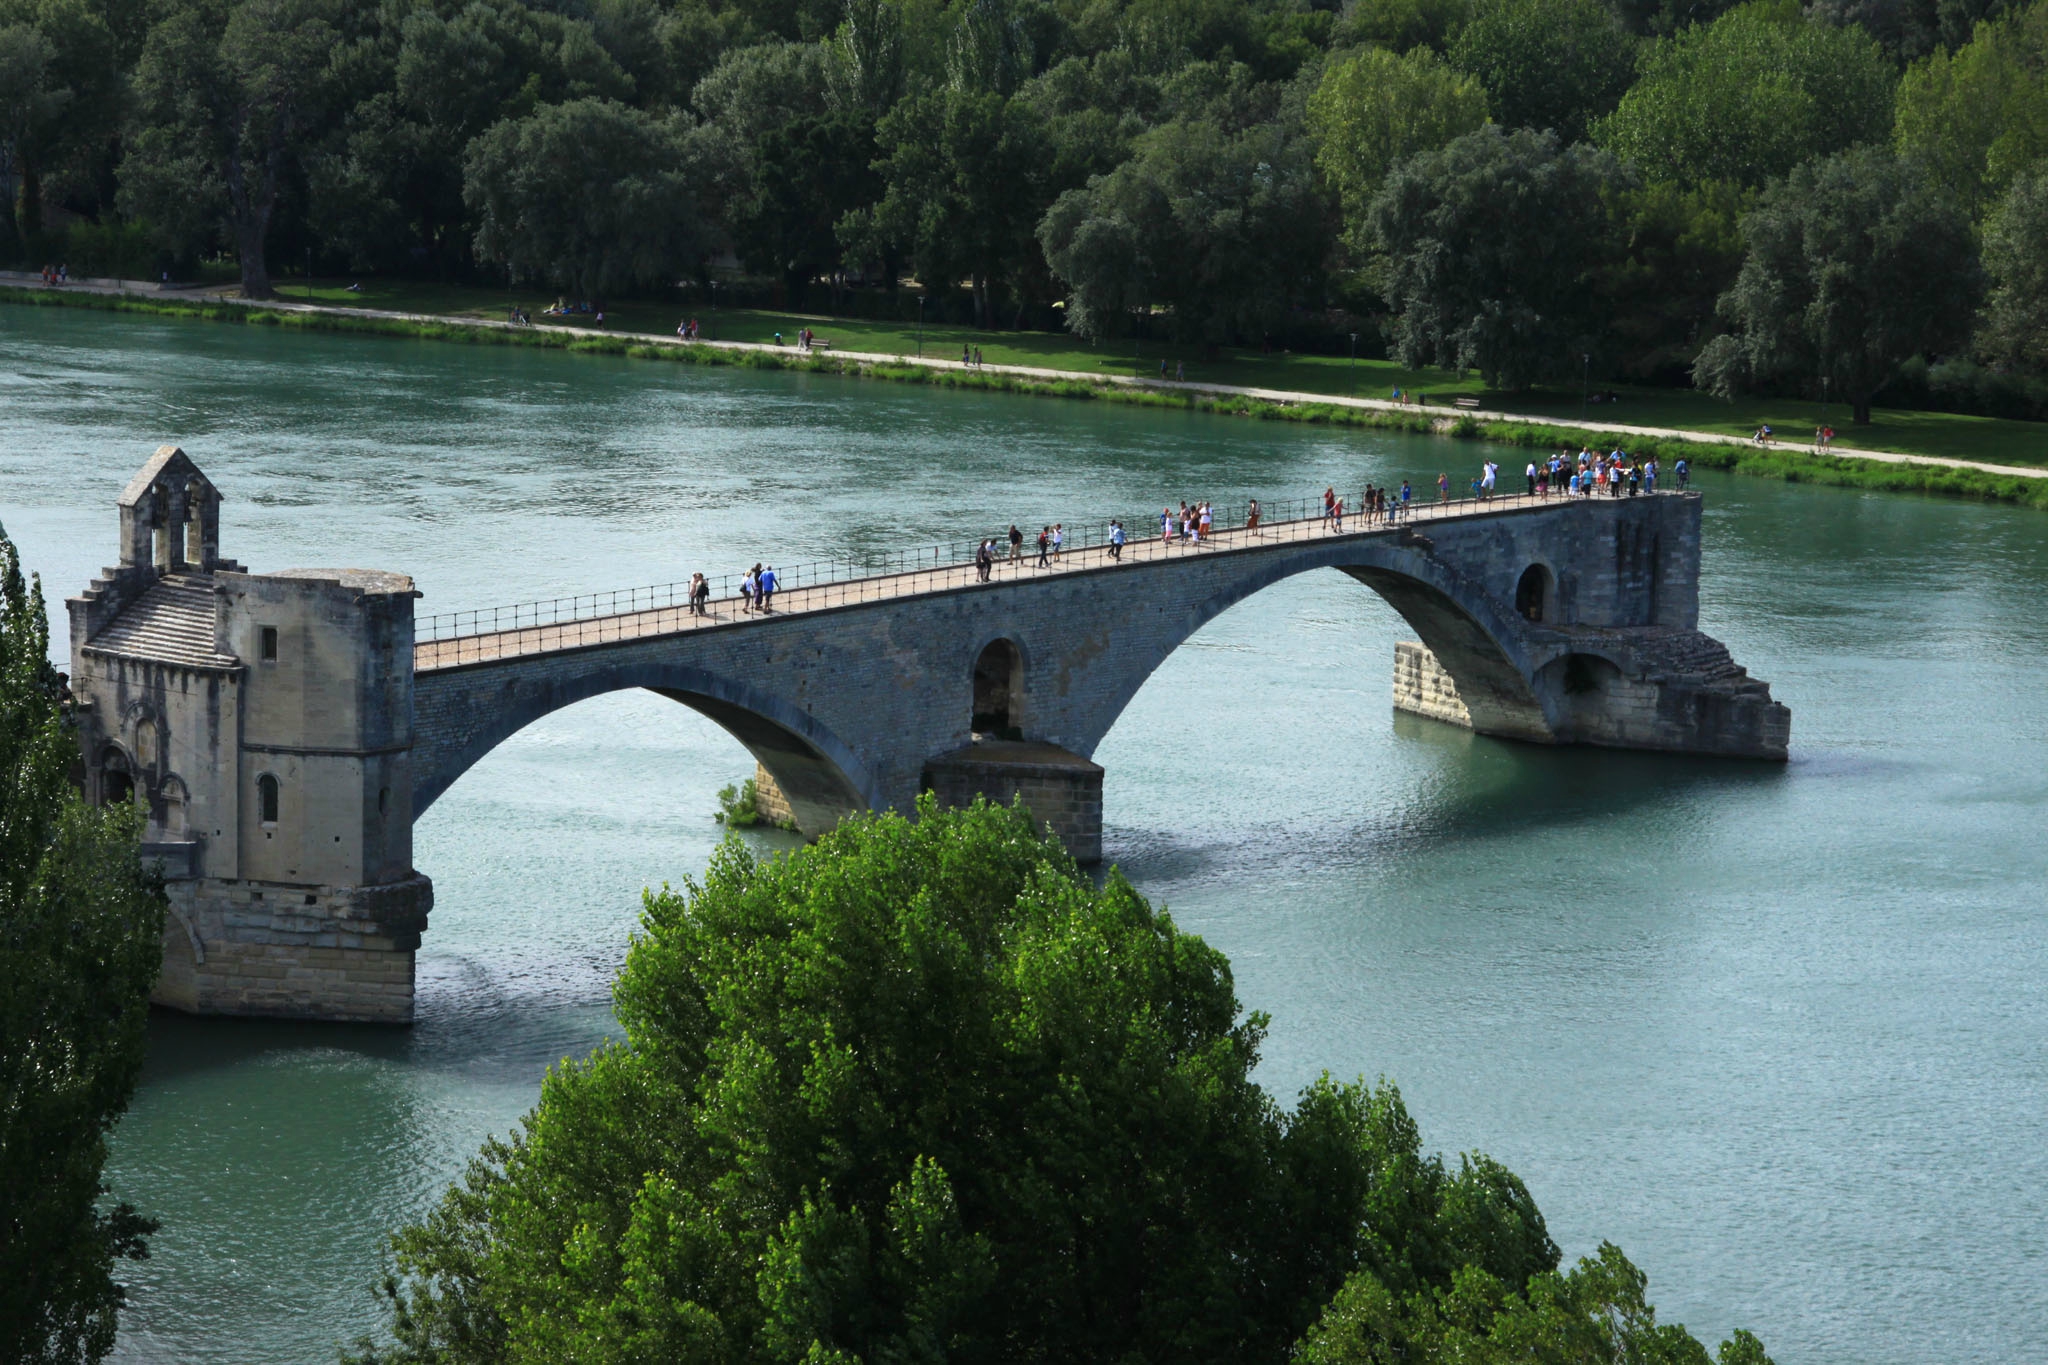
x: 1536, y: 594
x: 117, y: 779
x: 266, y: 799
x: 195, y: 525
x: 998, y: 690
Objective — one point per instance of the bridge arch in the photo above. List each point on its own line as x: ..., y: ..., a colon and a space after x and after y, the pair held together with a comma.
x: 820, y: 775
x: 1478, y: 639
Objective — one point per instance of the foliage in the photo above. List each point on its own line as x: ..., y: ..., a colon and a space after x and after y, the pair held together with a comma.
x: 1977, y: 118
x: 923, y: 1092
x: 1855, y: 263
x: 1678, y: 251
x: 962, y: 174
x: 739, y: 807
x: 1555, y: 64
x: 1219, y: 227
x: 1489, y: 246
x: 1749, y: 96
x: 587, y: 195
x: 1401, y: 25
x: 1374, y: 109
x: 81, y: 930
x: 2015, y: 328
x: 223, y: 103
x: 1595, y: 1314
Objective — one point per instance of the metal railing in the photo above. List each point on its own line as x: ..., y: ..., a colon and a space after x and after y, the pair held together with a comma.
x: 451, y: 638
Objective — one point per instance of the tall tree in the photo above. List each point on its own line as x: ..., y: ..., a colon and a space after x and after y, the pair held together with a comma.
x: 1977, y: 118
x: 1855, y: 264
x: 1374, y: 109
x: 81, y: 939
x: 1750, y: 96
x: 1223, y: 229
x: 590, y: 195
x: 225, y: 108
x: 1490, y: 243
x: 2014, y: 334
x: 1556, y: 64
x: 964, y: 185
x: 922, y: 1092
x: 32, y: 99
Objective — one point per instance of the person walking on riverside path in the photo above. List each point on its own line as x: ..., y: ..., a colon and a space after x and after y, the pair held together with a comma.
x: 1116, y: 540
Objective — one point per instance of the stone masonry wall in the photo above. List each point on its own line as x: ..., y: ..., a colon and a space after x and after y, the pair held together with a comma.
x: 337, y: 953
x: 1423, y: 687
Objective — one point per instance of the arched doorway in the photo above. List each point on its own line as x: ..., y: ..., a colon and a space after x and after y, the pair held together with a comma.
x: 1536, y: 594
x: 998, y: 691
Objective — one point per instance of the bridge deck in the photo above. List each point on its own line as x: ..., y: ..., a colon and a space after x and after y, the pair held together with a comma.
x: 727, y: 612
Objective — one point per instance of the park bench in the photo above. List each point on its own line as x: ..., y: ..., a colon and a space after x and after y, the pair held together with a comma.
x: 1466, y: 402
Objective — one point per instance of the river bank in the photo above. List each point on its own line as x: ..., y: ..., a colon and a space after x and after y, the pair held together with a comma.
x: 1843, y: 467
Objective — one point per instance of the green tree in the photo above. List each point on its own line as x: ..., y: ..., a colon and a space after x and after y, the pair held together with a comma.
x: 81, y: 939
x: 591, y: 195
x: 1490, y: 244
x: 923, y: 1092
x: 2014, y: 333
x: 1594, y: 1314
x: 1402, y: 25
x: 1374, y: 109
x: 1556, y: 64
x: 964, y: 184
x: 1223, y: 229
x: 1979, y: 117
x: 1678, y: 250
x: 32, y: 99
x: 1855, y: 264
x: 226, y: 106
x: 1750, y: 96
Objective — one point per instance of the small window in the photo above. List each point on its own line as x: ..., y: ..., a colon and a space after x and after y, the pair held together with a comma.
x: 266, y: 798
x: 267, y: 644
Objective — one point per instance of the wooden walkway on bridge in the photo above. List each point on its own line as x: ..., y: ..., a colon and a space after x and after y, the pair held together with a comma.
x: 459, y: 639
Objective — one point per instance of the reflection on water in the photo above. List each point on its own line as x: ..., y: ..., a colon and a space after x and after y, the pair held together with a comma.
x: 1776, y: 1030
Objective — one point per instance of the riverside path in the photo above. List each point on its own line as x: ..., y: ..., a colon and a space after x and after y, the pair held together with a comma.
x: 285, y: 729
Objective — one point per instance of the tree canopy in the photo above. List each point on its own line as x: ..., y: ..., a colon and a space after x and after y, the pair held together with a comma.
x: 1546, y: 64
x: 1854, y: 265
x: 1373, y: 109
x: 1749, y: 96
x: 81, y: 939
x: 1490, y: 244
x: 922, y: 1092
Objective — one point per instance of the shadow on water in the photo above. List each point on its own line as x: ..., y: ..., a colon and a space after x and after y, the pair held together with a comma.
x: 1451, y: 787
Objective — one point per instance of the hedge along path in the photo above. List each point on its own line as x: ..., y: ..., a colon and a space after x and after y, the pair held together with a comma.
x: 1841, y: 466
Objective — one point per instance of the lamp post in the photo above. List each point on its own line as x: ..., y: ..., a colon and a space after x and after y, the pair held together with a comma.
x: 1354, y: 358
x: 920, y: 326
x: 1585, y: 384
x: 714, y: 310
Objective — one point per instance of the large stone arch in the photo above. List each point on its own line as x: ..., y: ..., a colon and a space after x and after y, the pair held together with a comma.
x: 819, y: 774
x: 1491, y: 654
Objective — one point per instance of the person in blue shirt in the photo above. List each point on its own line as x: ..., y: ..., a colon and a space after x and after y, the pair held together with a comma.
x: 1406, y: 493
x: 768, y: 585
x: 1684, y: 473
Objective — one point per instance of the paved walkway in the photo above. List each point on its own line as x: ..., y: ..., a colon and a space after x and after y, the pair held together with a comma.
x: 145, y: 289
x: 481, y: 643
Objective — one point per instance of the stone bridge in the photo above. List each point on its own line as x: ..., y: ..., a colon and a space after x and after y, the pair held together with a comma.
x: 286, y: 729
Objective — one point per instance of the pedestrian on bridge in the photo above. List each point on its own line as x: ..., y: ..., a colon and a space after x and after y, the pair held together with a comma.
x: 984, y: 560
x: 1016, y: 542
x: 768, y: 586
x: 1044, y: 544
x: 699, y: 591
x: 749, y: 586
x: 1251, y: 516
x: 1443, y: 487
x: 1116, y: 540
x: 1407, y: 493
x: 1059, y: 539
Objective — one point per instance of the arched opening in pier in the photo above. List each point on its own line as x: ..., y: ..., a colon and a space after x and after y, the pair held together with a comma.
x: 1536, y: 594
x: 998, y: 691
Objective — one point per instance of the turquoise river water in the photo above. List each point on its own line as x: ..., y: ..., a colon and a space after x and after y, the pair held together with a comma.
x: 1778, y: 1032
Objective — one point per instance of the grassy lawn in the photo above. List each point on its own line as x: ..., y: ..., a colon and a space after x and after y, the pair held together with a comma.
x: 1916, y: 433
